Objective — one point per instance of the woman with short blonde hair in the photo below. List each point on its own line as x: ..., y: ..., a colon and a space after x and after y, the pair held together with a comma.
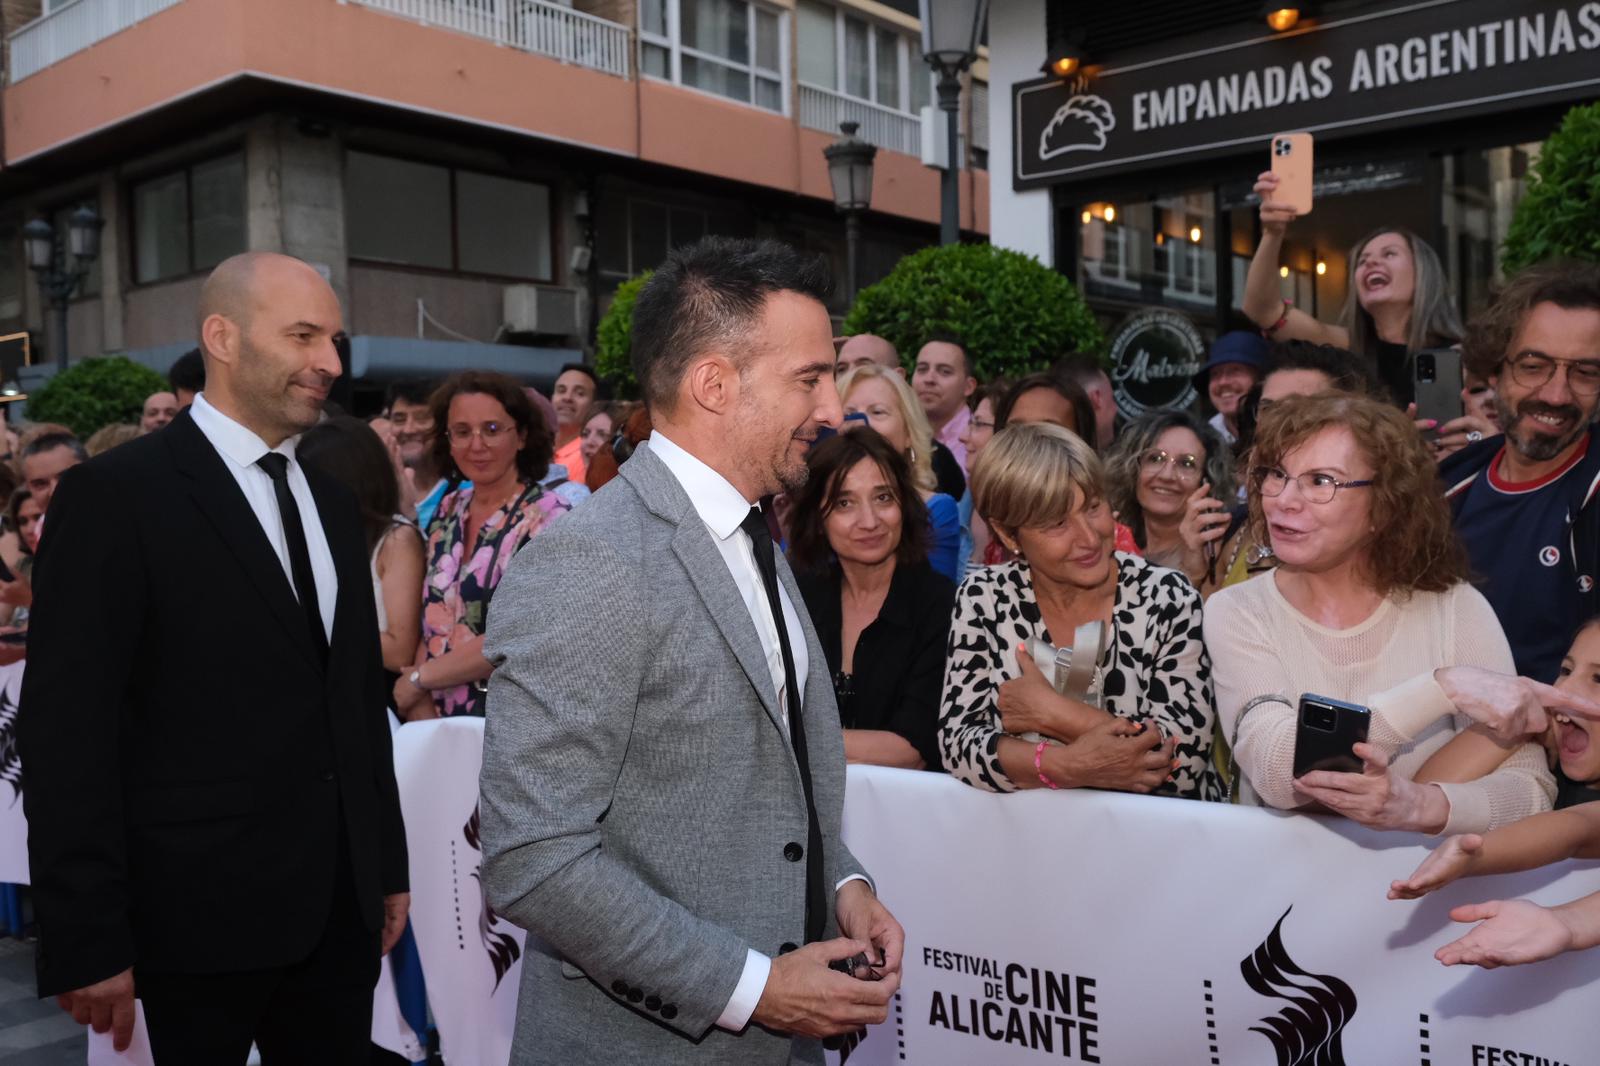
x: 1002, y: 725
x: 889, y: 406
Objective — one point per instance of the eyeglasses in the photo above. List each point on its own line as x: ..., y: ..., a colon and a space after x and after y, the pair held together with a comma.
x: 1184, y: 467
x: 489, y: 431
x: 1315, y: 487
x: 1533, y: 369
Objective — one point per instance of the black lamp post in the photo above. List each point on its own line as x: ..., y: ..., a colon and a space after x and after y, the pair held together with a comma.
x: 58, y: 281
x: 950, y: 32
x: 850, y: 172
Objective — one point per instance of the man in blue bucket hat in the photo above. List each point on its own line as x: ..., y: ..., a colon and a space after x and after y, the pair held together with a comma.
x: 1236, y: 363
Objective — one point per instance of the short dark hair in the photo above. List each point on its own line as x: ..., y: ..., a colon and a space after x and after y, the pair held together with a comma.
x: 711, y: 292
x: 829, y: 462
x: 187, y: 372
x: 602, y: 391
x: 1069, y: 390
x: 1569, y: 285
x: 351, y: 452
x: 994, y: 390
x: 1347, y: 371
x: 946, y: 337
x: 49, y: 442
x: 533, y: 461
x: 414, y: 391
x: 1081, y: 367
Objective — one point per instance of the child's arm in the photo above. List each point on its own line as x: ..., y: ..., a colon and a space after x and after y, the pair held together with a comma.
x: 1516, y: 931
x: 1469, y: 755
x: 1545, y: 838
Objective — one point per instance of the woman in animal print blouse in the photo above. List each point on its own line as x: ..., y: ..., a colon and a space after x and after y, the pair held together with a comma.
x: 1002, y: 726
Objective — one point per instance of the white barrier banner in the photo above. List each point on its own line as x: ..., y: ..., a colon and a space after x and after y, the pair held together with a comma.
x: 13, y: 826
x: 1098, y: 927
x: 471, y: 958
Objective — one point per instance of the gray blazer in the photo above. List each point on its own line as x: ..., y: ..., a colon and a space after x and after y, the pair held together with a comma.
x: 639, y: 787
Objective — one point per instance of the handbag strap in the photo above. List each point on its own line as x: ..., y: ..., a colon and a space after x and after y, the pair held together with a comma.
x: 1233, y: 739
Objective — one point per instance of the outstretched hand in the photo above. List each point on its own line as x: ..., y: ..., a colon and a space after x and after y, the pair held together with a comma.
x: 1509, y: 707
x: 1513, y: 932
x: 1450, y: 860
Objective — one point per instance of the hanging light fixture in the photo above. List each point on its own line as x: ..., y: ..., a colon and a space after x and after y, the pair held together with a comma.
x: 1281, y: 16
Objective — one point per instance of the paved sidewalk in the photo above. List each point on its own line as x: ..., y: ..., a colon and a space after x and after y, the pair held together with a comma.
x: 33, y: 1032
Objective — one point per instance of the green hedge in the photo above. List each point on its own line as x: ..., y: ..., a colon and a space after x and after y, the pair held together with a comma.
x: 1559, y: 217
x: 95, y: 393
x: 614, y: 339
x: 1015, y: 314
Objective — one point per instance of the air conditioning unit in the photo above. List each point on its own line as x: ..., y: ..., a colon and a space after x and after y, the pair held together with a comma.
x: 541, y: 309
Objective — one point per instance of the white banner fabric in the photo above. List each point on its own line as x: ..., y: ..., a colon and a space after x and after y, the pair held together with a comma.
x: 1099, y: 927
x: 13, y: 826
x: 471, y: 959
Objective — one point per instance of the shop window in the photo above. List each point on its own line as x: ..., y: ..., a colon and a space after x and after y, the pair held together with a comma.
x: 11, y: 272
x: 187, y: 221
x: 728, y: 47
x: 1156, y: 251
x: 453, y: 219
x: 1481, y: 190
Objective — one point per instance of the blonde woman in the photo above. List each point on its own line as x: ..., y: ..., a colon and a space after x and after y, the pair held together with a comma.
x: 886, y: 402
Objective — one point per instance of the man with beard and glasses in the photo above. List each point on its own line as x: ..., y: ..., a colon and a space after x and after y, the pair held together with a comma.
x: 213, y: 822
x: 1525, y: 503
x: 663, y: 772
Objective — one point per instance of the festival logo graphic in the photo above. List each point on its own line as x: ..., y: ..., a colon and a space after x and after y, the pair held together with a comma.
x: 10, y: 761
x: 501, y: 945
x: 1308, y: 1031
x: 1079, y: 125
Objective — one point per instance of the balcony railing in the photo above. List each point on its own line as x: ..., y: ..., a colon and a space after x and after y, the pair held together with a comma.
x: 824, y: 109
x: 532, y: 25
x: 73, y: 27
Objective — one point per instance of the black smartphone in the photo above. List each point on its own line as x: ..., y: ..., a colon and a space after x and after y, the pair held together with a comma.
x: 1327, y: 731
x: 1436, y: 376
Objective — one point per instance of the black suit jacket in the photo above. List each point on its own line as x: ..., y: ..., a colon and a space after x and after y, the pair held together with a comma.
x: 190, y: 761
x: 899, y: 660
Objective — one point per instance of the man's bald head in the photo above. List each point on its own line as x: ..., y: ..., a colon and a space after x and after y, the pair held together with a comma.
x: 269, y: 329
x: 868, y: 349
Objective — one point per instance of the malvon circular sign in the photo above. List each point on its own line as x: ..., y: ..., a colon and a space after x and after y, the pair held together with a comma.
x: 1155, y: 355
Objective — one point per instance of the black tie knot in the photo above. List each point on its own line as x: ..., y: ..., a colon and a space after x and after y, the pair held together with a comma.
x: 276, y: 466
x: 755, y: 524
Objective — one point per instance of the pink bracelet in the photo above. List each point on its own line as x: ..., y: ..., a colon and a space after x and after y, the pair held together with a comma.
x: 1038, y: 765
x: 1276, y: 326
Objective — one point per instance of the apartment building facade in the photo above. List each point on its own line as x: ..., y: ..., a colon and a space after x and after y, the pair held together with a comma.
x: 467, y: 173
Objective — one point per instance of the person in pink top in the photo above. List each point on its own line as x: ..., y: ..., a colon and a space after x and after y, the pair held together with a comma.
x: 942, y: 380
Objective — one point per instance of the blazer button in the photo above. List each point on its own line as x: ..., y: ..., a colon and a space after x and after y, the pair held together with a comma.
x: 793, y: 852
x: 652, y: 1003
x: 620, y: 987
x: 787, y: 947
x: 669, y: 1012
x: 635, y: 995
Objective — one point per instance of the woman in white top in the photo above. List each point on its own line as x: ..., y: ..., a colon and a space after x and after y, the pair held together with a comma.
x: 1369, y: 604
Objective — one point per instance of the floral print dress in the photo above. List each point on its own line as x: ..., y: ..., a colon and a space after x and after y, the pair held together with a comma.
x: 456, y: 592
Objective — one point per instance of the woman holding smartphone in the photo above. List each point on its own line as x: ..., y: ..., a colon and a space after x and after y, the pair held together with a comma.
x: 1398, y: 299
x: 1369, y: 604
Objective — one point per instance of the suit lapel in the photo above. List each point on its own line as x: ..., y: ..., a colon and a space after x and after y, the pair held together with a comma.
x: 708, y: 573
x: 217, y: 496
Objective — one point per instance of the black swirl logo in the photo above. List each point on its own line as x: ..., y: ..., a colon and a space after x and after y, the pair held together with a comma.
x: 499, y: 944
x: 1308, y: 1032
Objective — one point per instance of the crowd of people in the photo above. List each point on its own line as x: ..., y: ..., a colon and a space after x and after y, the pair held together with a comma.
x: 1012, y: 585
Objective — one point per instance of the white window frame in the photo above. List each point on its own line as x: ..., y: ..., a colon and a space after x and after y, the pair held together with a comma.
x: 676, y: 50
x: 908, y: 57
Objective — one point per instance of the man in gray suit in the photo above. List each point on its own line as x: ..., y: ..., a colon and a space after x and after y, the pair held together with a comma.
x: 661, y: 804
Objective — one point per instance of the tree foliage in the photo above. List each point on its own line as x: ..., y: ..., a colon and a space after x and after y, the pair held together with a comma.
x: 1015, y: 314
x: 95, y: 393
x: 1559, y: 216
x: 613, y: 357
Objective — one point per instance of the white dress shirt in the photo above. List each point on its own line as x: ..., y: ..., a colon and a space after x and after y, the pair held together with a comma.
x: 722, y: 508
x: 240, y: 448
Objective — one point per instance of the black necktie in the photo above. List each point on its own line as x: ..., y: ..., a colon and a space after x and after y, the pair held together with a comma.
x: 816, y: 900
x: 305, y: 582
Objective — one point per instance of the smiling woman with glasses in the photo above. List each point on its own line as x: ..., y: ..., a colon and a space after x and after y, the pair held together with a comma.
x: 1369, y: 604
x: 495, y: 449
x: 1161, y: 461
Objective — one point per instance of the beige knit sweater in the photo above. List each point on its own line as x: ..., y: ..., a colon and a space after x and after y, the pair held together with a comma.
x: 1262, y: 645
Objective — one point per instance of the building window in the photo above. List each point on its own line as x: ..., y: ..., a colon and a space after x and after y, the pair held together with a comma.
x: 843, y: 53
x: 632, y: 236
x: 11, y: 272
x: 61, y: 228
x: 453, y: 219
x: 728, y: 47
x: 187, y: 221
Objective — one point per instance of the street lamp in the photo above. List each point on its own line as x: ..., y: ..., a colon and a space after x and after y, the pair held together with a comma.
x: 850, y: 172
x: 58, y: 283
x: 950, y: 32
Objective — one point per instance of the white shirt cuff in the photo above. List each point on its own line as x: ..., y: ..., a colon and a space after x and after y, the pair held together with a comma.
x: 747, y: 993
x: 852, y: 877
